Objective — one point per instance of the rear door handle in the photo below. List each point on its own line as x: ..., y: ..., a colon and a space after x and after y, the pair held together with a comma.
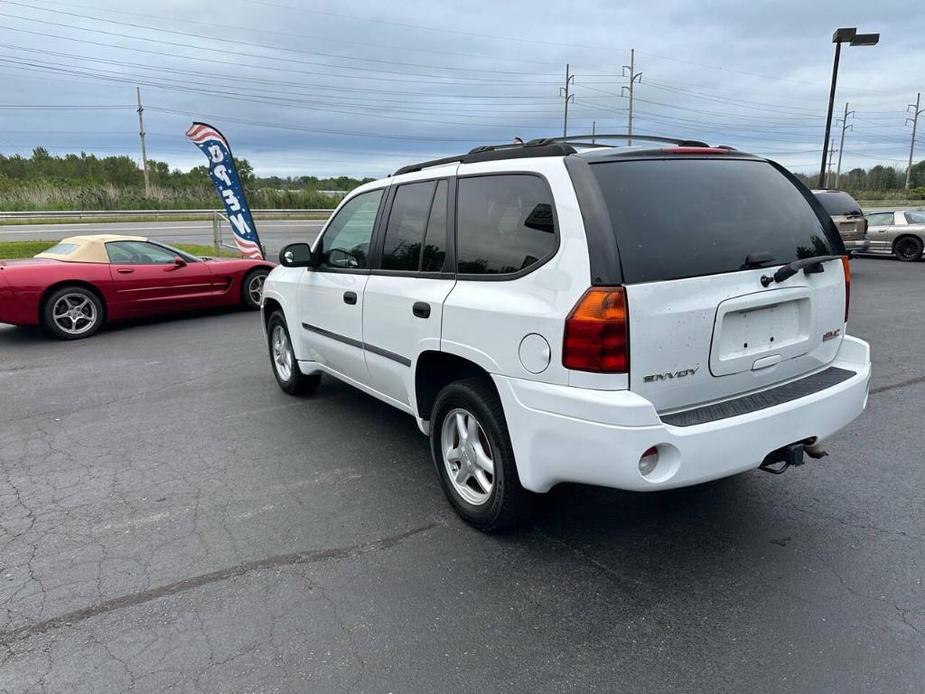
x: 350, y: 298
x: 421, y: 309
x: 125, y: 270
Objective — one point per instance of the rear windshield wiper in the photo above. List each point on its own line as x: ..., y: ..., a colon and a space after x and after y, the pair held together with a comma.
x: 807, y: 264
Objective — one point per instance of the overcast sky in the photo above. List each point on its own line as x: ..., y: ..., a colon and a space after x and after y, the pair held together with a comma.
x: 358, y: 87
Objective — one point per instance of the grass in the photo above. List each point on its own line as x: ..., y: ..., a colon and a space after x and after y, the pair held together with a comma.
x: 88, y: 218
x: 10, y: 250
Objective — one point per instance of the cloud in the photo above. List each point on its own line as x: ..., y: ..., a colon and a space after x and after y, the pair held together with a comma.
x: 360, y: 89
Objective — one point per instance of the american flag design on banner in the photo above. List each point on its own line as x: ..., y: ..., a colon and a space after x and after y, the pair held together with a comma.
x: 224, y: 175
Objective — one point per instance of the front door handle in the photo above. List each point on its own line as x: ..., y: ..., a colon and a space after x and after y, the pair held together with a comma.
x: 421, y: 309
x: 125, y: 270
x: 350, y: 298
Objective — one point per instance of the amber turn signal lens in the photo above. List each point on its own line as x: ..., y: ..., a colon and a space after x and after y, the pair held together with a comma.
x: 846, y: 266
x: 596, y: 332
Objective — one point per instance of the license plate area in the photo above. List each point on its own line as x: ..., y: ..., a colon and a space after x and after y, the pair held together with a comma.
x: 751, y: 328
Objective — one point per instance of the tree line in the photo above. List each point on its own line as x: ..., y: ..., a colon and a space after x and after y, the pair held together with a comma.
x: 43, y: 181
x: 878, y: 182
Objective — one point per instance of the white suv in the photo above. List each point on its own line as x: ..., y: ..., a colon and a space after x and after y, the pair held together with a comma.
x: 635, y: 317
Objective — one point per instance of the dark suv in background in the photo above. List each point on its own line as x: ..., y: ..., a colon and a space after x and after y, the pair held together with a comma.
x: 848, y: 217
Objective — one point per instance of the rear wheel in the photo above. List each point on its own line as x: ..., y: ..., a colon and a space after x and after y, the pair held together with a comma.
x: 285, y: 367
x: 474, y: 458
x: 908, y: 248
x: 252, y: 288
x: 72, y: 313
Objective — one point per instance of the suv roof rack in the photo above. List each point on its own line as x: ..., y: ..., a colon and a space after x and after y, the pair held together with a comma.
x: 615, y: 136
x: 543, y: 147
x: 534, y: 148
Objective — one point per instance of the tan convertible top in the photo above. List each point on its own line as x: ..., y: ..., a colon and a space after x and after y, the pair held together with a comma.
x: 90, y: 248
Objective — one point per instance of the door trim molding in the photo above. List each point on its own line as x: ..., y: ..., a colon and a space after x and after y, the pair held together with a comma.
x: 404, y: 361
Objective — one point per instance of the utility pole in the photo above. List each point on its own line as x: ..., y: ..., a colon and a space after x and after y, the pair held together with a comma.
x: 569, y: 79
x: 841, y: 148
x: 831, y: 153
x: 634, y: 77
x: 916, y: 112
x: 593, y: 130
x: 141, y: 134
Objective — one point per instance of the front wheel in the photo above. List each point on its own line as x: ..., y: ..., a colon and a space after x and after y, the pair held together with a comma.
x: 908, y: 248
x: 285, y: 367
x: 475, y: 461
x: 252, y: 288
x: 72, y: 313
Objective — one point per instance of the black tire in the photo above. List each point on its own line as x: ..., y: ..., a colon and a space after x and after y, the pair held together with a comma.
x: 508, y: 504
x: 294, y: 381
x: 250, y: 299
x: 908, y: 249
x: 87, y: 309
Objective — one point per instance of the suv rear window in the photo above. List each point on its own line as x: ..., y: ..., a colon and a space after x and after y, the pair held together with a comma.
x: 677, y: 218
x: 837, y: 203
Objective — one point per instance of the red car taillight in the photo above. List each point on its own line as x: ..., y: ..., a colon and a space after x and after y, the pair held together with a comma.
x: 846, y: 266
x: 596, y: 335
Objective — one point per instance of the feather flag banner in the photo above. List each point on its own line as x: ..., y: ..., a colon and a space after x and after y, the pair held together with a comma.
x: 224, y: 175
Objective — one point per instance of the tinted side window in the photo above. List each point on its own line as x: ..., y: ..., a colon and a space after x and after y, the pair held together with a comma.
x: 915, y: 217
x: 677, y: 218
x: 435, y: 241
x: 138, y: 253
x: 345, y: 243
x: 407, y: 223
x: 837, y: 203
x: 504, y: 223
x: 880, y: 219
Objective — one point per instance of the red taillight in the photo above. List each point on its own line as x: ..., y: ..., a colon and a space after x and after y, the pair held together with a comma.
x: 846, y: 265
x: 596, y: 332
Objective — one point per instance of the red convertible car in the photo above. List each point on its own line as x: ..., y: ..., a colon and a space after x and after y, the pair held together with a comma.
x: 74, y: 287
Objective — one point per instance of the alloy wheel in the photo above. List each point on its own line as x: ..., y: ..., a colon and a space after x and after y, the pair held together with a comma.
x: 255, y: 287
x: 282, y: 355
x: 74, y: 313
x: 467, y: 456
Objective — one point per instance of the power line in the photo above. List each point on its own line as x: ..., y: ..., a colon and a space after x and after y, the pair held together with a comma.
x: 292, y: 86
x: 199, y: 88
x: 264, y: 46
x: 236, y: 63
x: 300, y: 36
x: 254, y: 45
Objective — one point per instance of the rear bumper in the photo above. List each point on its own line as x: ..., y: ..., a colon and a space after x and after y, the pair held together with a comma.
x: 566, y: 434
x: 13, y: 309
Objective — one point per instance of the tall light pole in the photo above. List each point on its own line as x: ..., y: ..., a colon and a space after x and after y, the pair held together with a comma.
x: 850, y: 36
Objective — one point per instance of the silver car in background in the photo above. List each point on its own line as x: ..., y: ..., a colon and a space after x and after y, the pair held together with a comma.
x: 900, y: 233
x: 848, y: 217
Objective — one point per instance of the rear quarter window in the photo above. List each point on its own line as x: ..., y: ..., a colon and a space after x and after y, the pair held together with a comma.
x: 676, y: 218
x: 838, y: 204
x: 505, y: 224
x: 62, y: 248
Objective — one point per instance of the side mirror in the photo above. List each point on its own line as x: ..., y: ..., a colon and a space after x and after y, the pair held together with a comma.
x: 297, y: 255
x: 179, y: 262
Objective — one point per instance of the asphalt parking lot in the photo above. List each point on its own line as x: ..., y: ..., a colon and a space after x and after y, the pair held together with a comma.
x: 170, y: 520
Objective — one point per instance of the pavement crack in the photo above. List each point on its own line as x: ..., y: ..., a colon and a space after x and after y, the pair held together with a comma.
x: 896, y: 386
x: 294, y: 558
